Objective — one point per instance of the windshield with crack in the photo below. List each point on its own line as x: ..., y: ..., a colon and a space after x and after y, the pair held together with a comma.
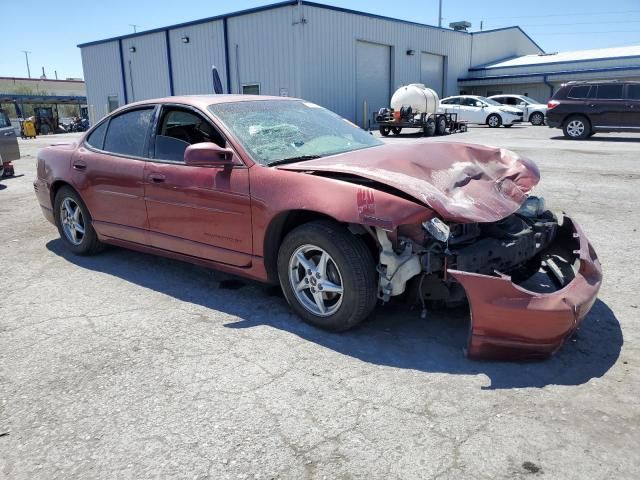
x: 274, y: 131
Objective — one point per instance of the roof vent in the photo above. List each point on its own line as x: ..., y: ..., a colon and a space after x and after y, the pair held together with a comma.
x: 462, y: 26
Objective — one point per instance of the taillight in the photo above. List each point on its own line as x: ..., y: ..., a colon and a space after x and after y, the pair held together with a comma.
x: 552, y: 104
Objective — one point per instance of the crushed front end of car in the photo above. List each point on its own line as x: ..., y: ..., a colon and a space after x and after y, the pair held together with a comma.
x: 530, y: 278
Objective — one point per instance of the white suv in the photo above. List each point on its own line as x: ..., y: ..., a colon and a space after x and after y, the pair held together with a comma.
x: 481, y: 110
x: 533, y: 110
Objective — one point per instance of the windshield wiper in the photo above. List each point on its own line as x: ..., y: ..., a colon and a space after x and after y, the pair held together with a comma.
x: 301, y: 158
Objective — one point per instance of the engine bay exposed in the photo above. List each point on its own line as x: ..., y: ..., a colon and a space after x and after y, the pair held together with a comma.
x: 529, y: 246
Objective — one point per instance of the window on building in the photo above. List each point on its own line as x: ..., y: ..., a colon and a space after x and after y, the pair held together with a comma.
x: 128, y: 131
x: 251, y: 89
x: 112, y: 103
x: 96, y: 138
x: 180, y: 128
x: 609, y: 92
x: 633, y: 92
x: 581, y: 91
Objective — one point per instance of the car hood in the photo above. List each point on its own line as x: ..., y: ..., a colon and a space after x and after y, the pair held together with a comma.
x: 460, y: 182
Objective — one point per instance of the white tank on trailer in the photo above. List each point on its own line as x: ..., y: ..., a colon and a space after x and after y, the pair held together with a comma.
x: 420, y: 98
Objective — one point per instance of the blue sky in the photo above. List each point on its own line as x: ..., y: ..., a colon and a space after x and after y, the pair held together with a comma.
x: 52, y: 29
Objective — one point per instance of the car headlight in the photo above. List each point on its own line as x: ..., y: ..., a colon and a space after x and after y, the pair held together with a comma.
x: 532, y: 207
x: 437, y: 229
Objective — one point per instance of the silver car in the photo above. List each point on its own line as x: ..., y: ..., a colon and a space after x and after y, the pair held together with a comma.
x: 9, y: 150
x: 534, y: 111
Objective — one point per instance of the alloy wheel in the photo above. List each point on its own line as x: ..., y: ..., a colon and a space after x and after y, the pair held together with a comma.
x: 72, y: 221
x: 316, y: 280
x: 575, y: 128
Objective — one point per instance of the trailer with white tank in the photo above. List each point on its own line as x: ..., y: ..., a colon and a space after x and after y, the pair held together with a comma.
x: 416, y: 106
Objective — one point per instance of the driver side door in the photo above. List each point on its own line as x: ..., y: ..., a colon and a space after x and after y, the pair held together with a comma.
x: 203, y: 212
x: 472, y: 111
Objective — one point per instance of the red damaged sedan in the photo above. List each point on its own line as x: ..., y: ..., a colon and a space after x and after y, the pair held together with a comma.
x: 283, y: 191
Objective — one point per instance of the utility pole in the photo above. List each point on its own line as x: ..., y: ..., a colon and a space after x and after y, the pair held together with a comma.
x: 440, y: 13
x: 135, y: 27
x: 26, y: 56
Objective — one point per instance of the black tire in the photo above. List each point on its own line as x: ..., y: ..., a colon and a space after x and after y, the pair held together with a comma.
x: 89, y: 243
x: 355, y: 264
x: 508, y: 126
x: 576, y: 127
x: 592, y: 134
x: 384, y: 131
x: 430, y: 128
x: 536, y: 118
x: 441, y: 125
x: 494, y: 120
x: 396, y: 130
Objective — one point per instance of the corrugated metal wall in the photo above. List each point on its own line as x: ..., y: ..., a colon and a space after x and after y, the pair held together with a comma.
x: 329, y: 40
x: 146, y: 69
x: 101, y: 66
x: 192, y: 61
x: 307, y: 52
x: 264, y: 49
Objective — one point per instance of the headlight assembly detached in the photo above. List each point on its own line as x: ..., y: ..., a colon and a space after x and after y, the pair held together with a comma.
x: 437, y: 229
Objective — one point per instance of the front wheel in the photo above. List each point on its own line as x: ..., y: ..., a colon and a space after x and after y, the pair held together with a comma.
x: 441, y: 125
x: 396, y: 130
x: 494, y: 120
x: 74, y: 223
x: 328, y: 275
x: 576, y: 128
x: 384, y: 131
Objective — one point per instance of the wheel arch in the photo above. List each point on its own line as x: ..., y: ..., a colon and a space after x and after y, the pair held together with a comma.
x: 285, y: 222
x: 55, y: 188
x: 574, y: 115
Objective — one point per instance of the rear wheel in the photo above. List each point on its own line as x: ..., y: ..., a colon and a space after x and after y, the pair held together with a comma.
x: 536, y: 118
x: 384, y: 131
x: 74, y: 223
x: 494, y: 120
x: 396, y: 130
x: 576, y: 128
x: 328, y: 275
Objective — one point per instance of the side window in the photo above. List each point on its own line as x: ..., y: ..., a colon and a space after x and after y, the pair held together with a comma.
x: 179, y: 128
x: 511, y: 101
x: 470, y: 102
x: 501, y: 100
x: 633, y: 92
x: 127, y: 132
x: 581, y: 91
x: 609, y: 92
x: 96, y: 138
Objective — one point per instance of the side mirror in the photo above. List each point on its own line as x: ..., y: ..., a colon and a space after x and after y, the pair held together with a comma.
x: 208, y: 154
x: 522, y: 104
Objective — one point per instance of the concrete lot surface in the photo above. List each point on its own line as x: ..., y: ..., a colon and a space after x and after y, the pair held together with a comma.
x: 130, y: 366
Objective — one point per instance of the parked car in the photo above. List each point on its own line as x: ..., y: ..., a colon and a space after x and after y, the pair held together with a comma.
x: 283, y: 191
x: 481, y: 110
x: 9, y: 149
x: 533, y: 111
x: 582, y: 109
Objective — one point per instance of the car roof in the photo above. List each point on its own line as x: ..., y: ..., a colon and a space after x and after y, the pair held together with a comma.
x: 596, y: 82
x: 203, y: 101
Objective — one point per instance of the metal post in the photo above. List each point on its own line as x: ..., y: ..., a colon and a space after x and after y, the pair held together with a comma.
x: 26, y: 56
x: 440, y: 13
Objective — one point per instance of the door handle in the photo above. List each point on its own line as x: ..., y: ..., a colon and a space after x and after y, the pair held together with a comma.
x: 592, y: 105
x: 79, y: 165
x: 157, y: 178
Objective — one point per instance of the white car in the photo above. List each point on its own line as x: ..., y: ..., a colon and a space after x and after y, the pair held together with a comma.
x: 481, y: 110
x: 533, y: 110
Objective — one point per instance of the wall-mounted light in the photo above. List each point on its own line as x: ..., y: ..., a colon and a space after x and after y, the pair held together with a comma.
x: 185, y: 39
x: 411, y: 52
x: 132, y: 49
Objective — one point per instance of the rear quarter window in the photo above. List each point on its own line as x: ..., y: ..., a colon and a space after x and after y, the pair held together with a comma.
x: 96, y: 138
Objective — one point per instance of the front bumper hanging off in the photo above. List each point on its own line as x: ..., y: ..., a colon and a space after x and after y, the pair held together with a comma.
x: 510, y: 322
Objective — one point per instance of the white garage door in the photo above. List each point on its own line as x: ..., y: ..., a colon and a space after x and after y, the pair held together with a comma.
x: 432, y: 71
x: 373, y: 80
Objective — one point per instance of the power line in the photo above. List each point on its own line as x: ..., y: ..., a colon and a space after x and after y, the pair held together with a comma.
x: 572, y: 14
x: 590, y: 32
x: 567, y: 24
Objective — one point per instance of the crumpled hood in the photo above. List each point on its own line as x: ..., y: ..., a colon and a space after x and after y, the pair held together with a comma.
x: 461, y: 182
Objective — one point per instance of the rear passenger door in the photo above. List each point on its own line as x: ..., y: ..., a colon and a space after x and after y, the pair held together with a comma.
x: 608, y: 107
x: 108, y: 169
x: 632, y: 111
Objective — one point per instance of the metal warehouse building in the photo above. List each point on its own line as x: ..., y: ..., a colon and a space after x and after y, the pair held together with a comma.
x: 347, y: 61
x: 540, y: 75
